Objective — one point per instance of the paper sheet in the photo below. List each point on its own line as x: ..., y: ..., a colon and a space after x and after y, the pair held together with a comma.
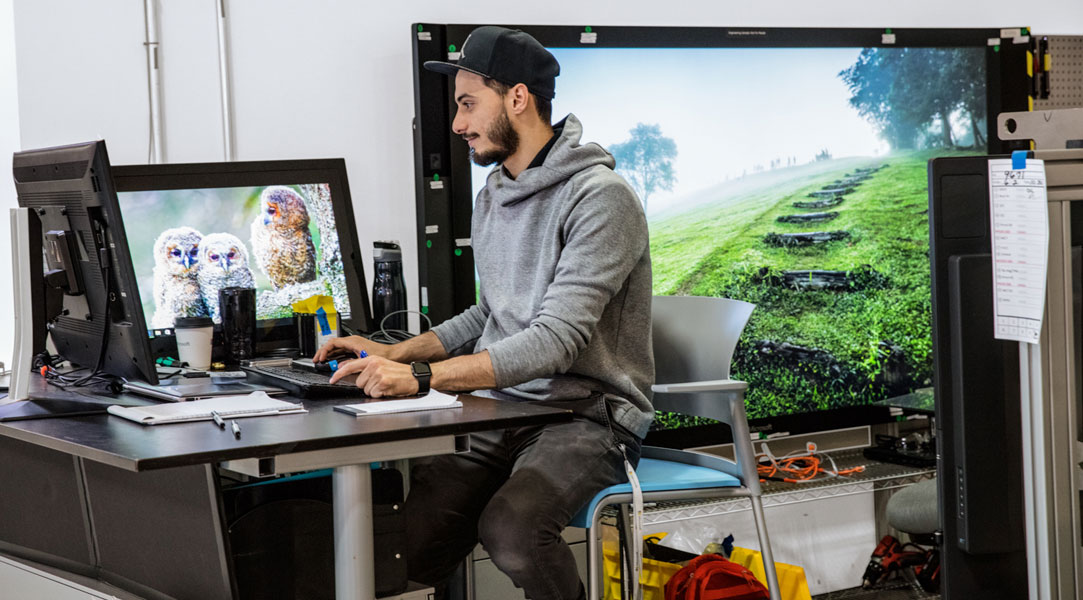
x: 1020, y: 234
x: 434, y: 400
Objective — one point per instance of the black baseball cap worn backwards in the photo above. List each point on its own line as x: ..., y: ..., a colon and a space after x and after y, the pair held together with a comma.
x: 507, y: 55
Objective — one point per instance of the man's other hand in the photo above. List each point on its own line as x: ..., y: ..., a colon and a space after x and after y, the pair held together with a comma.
x: 378, y: 376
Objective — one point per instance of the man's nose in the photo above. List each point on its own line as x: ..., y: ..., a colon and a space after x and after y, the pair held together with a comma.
x: 458, y: 125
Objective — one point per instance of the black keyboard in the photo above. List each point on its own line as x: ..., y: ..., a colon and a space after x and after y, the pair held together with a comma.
x: 303, y: 384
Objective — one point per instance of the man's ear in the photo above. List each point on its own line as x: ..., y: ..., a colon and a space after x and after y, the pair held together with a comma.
x: 518, y: 99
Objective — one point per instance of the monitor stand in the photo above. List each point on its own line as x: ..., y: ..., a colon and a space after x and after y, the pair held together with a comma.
x: 44, y: 408
x: 30, y: 331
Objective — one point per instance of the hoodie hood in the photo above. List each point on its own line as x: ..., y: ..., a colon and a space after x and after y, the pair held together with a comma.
x: 566, y: 158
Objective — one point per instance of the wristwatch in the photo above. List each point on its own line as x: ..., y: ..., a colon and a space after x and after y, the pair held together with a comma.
x: 421, y: 372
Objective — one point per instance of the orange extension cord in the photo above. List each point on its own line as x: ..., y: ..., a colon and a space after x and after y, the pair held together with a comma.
x: 798, y: 469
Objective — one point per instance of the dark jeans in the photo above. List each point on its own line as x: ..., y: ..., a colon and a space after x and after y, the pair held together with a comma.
x: 515, y: 491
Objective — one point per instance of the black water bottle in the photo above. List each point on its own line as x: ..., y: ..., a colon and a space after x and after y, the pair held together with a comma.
x: 388, y: 290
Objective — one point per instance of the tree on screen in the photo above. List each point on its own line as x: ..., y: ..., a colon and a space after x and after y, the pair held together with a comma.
x: 646, y: 160
x: 911, y: 94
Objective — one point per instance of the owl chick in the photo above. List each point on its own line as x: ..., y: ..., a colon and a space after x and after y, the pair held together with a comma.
x: 280, y: 238
x: 223, y: 262
x: 176, y: 287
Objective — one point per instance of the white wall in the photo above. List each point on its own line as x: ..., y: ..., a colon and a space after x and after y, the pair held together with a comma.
x: 328, y: 78
x: 9, y: 142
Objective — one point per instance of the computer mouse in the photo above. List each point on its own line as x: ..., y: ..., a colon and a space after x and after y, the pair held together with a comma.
x: 337, y: 356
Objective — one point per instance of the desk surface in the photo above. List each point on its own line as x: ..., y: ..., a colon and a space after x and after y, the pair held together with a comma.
x: 121, y: 443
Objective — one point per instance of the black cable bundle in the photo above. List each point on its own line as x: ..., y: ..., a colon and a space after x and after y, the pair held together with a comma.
x: 95, y: 376
x: 394, y: 336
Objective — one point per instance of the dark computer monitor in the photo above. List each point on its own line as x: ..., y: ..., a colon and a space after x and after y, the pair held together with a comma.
x: 783, y: 167
x: 86, y: 291
x: 285, y: 228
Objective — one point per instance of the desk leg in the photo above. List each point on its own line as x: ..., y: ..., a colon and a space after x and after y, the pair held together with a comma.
x: 354, y: 559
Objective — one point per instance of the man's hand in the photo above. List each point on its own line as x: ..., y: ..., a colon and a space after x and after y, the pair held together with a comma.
x: 353, y: 344
x: 378, y: 376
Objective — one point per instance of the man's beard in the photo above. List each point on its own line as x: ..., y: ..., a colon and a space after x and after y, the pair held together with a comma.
x: 503, y: 136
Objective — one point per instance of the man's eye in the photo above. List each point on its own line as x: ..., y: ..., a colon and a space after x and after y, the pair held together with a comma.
x: 176, y: 252
x: 231, y: 254
x: 214, y: 257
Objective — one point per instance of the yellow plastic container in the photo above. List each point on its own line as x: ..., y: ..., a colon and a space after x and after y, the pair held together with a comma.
x: 653, y: 578
x: 791, y: 578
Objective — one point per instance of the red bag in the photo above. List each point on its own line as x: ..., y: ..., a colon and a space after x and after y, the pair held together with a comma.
x: 712, y: 577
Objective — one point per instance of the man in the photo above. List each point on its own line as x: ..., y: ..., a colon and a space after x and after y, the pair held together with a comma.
x: 563, y: 318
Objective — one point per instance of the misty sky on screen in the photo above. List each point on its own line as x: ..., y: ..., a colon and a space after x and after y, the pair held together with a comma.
x: 728, y: 109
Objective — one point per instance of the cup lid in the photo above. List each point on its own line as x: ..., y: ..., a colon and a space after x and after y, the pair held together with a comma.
x: 192, y: 322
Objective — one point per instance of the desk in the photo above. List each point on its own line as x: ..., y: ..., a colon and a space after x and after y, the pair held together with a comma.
x: 319, y: 439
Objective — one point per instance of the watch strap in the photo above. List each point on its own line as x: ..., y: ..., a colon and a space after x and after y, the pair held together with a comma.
x: 422, y: 378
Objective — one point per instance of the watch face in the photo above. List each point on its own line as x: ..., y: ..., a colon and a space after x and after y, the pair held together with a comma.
x: 420, y: 368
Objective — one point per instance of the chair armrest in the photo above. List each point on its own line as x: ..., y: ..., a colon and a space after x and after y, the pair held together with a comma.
x: 718, y: 385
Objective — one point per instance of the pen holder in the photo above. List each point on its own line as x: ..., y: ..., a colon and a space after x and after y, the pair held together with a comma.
x: 312, y: 333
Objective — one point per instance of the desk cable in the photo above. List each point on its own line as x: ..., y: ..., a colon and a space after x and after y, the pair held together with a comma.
x: 393, y: 336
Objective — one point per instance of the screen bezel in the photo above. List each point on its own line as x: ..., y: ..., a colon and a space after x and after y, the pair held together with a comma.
x: 186, y: 176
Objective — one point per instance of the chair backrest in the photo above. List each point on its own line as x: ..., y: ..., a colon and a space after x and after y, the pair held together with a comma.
x: 694, y: 340
x: 695, y: 336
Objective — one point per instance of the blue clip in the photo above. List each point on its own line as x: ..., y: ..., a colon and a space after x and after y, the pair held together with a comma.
x: 1019, y: 160
x: 333, y: 364
x: 321, y: 316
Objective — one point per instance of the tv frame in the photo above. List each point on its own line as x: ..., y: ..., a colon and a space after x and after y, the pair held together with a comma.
x: 271, y: 333
x: 444, y: 192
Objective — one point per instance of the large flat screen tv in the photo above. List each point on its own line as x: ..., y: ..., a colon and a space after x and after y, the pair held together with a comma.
x: 784, y: 167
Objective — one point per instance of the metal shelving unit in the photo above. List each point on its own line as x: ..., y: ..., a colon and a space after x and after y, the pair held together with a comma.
x: 877, y: 476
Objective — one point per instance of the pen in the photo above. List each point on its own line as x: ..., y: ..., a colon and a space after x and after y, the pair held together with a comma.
x: 236, y: 428
x: 218, y: 419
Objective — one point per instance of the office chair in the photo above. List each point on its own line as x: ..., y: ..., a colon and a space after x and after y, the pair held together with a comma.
x: 694, y: 340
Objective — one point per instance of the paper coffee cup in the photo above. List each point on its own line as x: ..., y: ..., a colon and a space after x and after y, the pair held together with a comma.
x: 194, y: 340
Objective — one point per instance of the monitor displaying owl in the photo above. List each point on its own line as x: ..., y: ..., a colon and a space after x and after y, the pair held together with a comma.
x: 281, y: 242
x: 223, y: 262
x: 176, y: 284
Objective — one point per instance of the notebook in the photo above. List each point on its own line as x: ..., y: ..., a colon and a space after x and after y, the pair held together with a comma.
x: 256, y: 404
x: 434, y: 400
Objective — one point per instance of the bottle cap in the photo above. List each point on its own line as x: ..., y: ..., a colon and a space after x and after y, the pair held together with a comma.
x: 385, y: 251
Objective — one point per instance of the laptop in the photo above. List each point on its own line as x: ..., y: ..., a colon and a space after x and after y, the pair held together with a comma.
x: 182, y: 392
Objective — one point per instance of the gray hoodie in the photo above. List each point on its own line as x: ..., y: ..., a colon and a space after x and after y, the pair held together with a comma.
x: 564, y: 267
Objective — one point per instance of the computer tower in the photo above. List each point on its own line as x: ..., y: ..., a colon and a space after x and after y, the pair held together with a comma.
x: 281, y: 535
x: 976, y: 378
